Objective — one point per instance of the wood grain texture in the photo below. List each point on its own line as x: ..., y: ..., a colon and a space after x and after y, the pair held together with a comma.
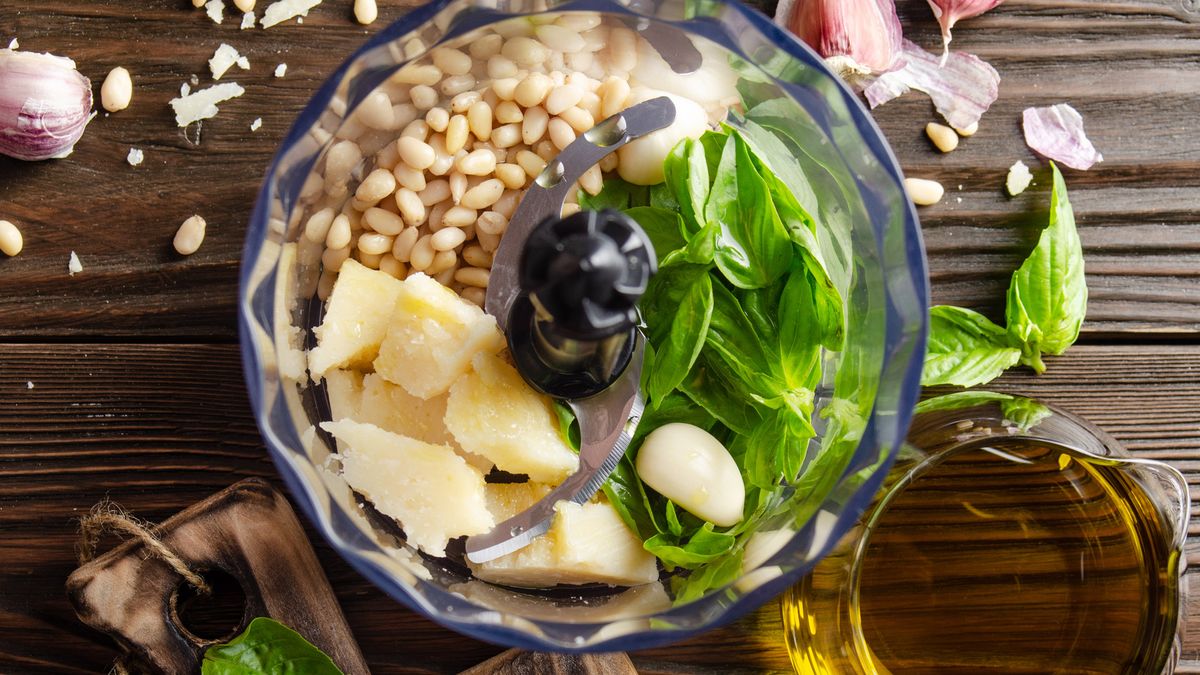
x: 158, y: 427
x: 517, y: 662
x: 1129, y: 67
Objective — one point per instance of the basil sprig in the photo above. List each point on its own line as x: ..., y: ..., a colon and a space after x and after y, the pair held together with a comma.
x: 267, y: 647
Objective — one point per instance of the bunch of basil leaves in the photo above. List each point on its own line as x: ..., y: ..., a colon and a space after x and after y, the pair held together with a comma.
x: 736, y: 319
x: 1047, y: 301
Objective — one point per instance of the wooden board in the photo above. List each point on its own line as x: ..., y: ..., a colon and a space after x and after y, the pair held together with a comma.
x: 1129, y: 67
x: 97, y: 422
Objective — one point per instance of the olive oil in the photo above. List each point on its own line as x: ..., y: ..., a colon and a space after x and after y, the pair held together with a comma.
x: 1000, y: 556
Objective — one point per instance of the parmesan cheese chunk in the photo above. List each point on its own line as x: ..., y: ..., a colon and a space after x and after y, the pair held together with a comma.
x: 224, y: 59
x: 215, y: 10
x: 73, y: 265
x: 281, y: 70
x: 432, y: 492
x: 356, y: 319
x: 202, y: 105
x: 135, y: 157
x: 1019, y: 178
x: 247, y: 21
x: 281, y: 11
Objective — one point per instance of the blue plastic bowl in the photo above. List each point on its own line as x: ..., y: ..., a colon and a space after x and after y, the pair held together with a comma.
x: 873, y: 384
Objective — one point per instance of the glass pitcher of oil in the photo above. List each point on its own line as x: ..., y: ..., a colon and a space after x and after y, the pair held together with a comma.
x: 1011, y: 537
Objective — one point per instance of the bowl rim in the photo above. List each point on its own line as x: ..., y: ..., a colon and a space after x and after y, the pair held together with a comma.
x: 306, y: 494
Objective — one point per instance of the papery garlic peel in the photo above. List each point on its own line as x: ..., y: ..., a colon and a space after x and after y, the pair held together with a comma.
x: 950, y: 12
x: 45, y: 104
x: 855, y: 37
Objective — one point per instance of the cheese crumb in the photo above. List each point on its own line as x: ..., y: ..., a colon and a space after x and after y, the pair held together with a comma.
x: 185, y: 89
x: 203, y: 104
x: 281, y: 70
x: 135, y: 157
x: 215, y: 10
x: 13, y: 44
x: 256, y: 124
x: 29, y: 384
x: 195, y: 80
x: 73, y: 265
x: 1018, y: 179
x: 283, y: 10
x: 247, y: 21
x: 224, y: 59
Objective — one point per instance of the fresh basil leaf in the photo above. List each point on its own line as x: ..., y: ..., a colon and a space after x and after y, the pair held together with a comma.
x: 713, y: 143
x: 661, y: 197
x: 699, y: 549
x: 664, y: 295
x: 267, y: 647
x: 715, y: 575
x: 770, y: 153
x: 733, y: 340
x: 662, y: 226
x: 721, y: 394
x: 753, y: 247
x: 675, y: 355
x: 627, y: 495
x: 568, y: 426
x: 804, y: 326
x: 1047, y: 298
x: 959, y: 400
x: 675, y: 407
x: 965, y: 348
x: 673, y: 524
x: 1026, y: 413
x: 686, y: 171
x: 615, y: 194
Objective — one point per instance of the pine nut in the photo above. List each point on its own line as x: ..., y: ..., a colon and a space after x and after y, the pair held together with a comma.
x: 525, y: 51
x: 383, y: 222
x: 444, y: 159
x: 475, y: 295
x: 375, y: 244
x: 491, y: 222
x: 423, y: 96
x: 457, y: 84
x: 590, y: 103
x: 557, y: 76
x: 561, y: 133
x: 458, y: 187
x: 578, y: 21
x: 445, y: 277
x: 479, y: 163
x: 508, y: 112
x: 579, y: 61
x: 456, y: 133
x: 377, y: 185
x: 414, y: 48
x: 436, y: 213
x: 11, y: 242
x: 512, y: 175
x: 595, y: 39
x: 507, y: 203
x: 117, y: 90
x: 923, y: 192
x: 458, y: 216
x: 333, y: 258
x: 339, y: 233
x: 422, y: 254
x: 531, y: 163
x: 376, y: 112
x: 562, y: 97
x: 486, y: 47
x: 425, y: 75
x: 942, y: 136
x: 389, y: 265
x: 442, y: 261
x: 609, y: 163
x: 412, y: 210
x: 569, y: 210
x: 415, y: 153
x: 187, y: 241
x: 436, y: 191
x: 591, y: 181
x: 463, y: 102
x: 437, y: 119
x: 533, y: 127
x: 622, y: 49
x: 317, y: 227
x: 365, y: 11
x: 475, y: 256
x: 417, y: 129
x: 505, y: 88
x: 506, y: 136
x: 403, y: 245
x: 448, y: 238
x: 559, y: 38
x: 480, y: 119
x: 968, y: 131
x: 483, y: 195
x: 500, y: 67
x: 546, y: 150
x: 369, y: 260
x: 408, y: 177
x: 532, y: 90
x: 473, y: 276
x: 403, y: 114
x: 578, y: 118
x: 489, y: 242
x: 451, y: 61
x: 613, y: 94
x: 325, y: 284
x: 341, y: 159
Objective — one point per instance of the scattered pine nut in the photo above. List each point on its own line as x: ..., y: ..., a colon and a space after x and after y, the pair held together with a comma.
x: 365, y: 11
x: 923, y: 192
x: 74, y: 266
x: 117, y: 90
x: 942, y: 136
x: 190, y: 235
x: 1018, y: 179
x: 11, y: 241
x: 968, y: 131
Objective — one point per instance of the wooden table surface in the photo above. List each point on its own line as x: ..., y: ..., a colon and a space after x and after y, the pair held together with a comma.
x: 124, y: 380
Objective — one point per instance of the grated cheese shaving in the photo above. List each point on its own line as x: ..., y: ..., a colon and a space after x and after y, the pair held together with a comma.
x: 1019, y: 178
x: 281, y: 70
x: 29, y: 384
x: 215, y: 10
x: 222, y: 60
x: 281, y: 11
x: 135, y: 157
x: 185, y: 89
x: 203, y: 104
x: 247, y: 21
x: 256, y: 124
x: 73, y: 265
x: 243, y: 63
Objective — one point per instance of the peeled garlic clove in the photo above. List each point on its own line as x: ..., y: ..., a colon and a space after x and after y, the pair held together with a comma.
x: 950, y: 12
x: 44, y: 105
x: 855, y: 37
x: 687, y: 465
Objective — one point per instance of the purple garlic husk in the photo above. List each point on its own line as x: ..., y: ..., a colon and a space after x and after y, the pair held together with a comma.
x: 857, y: 38
x: 950, y: 12
x: 45, y: 104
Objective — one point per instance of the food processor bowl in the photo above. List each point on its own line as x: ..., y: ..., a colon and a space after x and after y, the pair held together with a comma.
x: 869, y: 233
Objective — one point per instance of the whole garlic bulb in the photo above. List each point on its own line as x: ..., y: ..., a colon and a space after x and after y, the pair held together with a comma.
x: 855, y: 37
x: 45, y: 104
x: 950, y: 12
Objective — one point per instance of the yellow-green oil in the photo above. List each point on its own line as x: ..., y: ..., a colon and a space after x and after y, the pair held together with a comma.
x: 1011, y: 557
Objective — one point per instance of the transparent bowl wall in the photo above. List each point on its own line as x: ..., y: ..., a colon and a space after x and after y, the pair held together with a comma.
x: 872, y: 384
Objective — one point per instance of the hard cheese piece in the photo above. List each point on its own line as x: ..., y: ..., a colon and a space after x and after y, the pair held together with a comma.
x: 432, y: 336
x: 345, y: 391
x: 356, y: 319
x: 492, y: 412
x: 433, y: 493
x: 587, y: 543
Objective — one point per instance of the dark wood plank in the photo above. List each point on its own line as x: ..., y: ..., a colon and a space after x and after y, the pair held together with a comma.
x: 1129, y: 67
x: 160, y: 427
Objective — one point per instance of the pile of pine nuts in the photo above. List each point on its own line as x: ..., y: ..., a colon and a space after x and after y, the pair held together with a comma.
x: 475, y: 126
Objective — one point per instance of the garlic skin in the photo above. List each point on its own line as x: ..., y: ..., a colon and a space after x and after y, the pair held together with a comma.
x: 950, y: 12
x: 856, y: 38
x: 45, y: 104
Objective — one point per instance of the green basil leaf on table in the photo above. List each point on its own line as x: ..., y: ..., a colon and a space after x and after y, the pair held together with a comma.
x: 267, y: 647
x: 1047, y: 298
x: 664, y: 228
x: 1026, y: 413
x: 965, y: 348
